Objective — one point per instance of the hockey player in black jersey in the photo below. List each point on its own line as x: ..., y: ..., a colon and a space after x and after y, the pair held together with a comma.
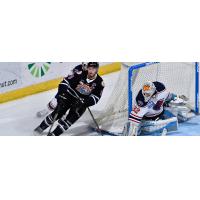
x: 51, y: 106
x: 78, y: 91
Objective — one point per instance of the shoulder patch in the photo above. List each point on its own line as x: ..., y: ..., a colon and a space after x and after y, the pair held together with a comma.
x: 140, y: 99
x: 103, y: 84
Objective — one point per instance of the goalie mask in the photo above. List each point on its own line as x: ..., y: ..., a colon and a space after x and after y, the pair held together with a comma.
x: 148, y: 90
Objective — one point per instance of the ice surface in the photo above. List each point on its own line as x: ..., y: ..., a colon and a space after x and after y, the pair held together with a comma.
x: 18, y: 118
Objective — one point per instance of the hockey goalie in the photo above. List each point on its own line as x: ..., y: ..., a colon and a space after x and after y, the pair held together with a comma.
x: 156, y: 110
x: 81, y: 89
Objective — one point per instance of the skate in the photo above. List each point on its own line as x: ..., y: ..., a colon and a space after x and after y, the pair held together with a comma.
x: 38, y: 131
x: 51, y: 134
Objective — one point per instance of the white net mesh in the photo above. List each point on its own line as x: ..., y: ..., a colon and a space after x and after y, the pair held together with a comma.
x: 178, y: 78
x: 115, y: 114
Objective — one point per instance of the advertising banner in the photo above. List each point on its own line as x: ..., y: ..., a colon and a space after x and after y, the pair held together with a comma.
x: 17, y: 75
x: 10, y: 77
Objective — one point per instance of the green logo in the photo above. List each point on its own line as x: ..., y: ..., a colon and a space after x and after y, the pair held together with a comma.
x: 39, y: 70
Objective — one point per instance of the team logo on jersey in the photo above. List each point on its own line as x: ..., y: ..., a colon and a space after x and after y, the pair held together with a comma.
x: 83, y: 88
x: 39, y: 69
x: 150, y: 104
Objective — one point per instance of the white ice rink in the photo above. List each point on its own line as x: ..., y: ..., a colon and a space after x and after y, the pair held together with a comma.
x: 18, y: 118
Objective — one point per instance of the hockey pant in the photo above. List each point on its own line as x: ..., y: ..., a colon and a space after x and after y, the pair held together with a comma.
x: 63, y: 122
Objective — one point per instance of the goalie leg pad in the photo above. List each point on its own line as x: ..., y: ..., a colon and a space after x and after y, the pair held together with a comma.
x: 130, y: 129
x: 183, y: 113
x: 159, y: 127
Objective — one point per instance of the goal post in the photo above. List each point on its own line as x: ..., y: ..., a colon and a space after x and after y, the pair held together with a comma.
x: 197, y: 87
x: 130, y: 76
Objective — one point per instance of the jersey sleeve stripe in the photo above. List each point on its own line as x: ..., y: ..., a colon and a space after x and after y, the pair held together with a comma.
x: 66, y: 81
x: 94, y: 100
x: 134, y: 120
x: 64, y: 84
x: 95, y: 97
x: 135, y: 116
x: 131, y: 117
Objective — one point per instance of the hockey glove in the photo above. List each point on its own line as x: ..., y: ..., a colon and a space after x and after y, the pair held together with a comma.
x: 62, y: 100
x: 87, y: 102
x: 80, y: 103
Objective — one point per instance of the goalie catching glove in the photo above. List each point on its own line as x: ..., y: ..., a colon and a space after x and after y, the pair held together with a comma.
x: 180, y: 107
x: 176, y: 100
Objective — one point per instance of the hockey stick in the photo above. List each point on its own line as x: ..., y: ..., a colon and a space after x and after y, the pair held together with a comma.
x: 94, y: 120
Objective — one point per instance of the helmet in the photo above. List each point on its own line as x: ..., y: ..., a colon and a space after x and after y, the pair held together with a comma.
x: 93, y: 64
x: 148, y: 90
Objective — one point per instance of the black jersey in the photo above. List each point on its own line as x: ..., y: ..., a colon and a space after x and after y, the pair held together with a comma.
x: 90, y: 90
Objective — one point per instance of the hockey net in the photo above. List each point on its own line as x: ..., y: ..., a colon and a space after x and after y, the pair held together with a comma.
x: 179, y: 78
